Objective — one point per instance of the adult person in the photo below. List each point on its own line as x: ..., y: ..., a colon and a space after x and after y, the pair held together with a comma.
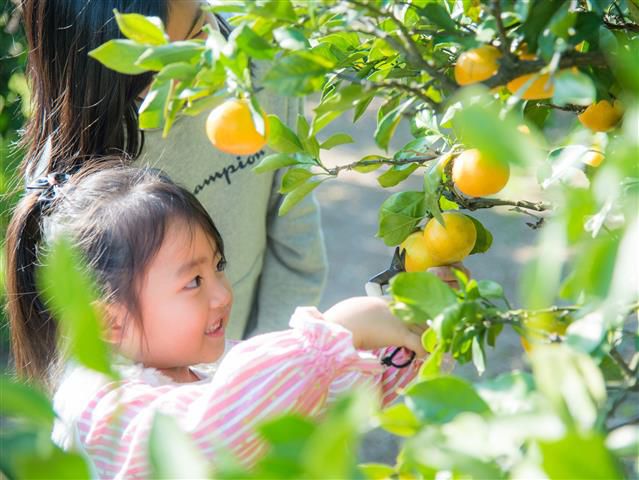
x: 83, y: 111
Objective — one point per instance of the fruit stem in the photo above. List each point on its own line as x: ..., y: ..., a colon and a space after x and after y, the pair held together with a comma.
x: 420, y: 160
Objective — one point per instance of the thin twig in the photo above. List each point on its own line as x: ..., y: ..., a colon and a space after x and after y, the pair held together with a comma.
x: 477, y: 203
x: 504, y: 42
x: 628, y: 374
x: 628, y: 421
x: 366, y: 163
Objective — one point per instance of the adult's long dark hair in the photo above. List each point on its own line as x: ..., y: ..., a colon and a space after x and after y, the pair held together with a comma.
x: 81, y: 109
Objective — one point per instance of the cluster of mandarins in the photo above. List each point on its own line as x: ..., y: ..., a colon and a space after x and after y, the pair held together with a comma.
x: 479, y: 64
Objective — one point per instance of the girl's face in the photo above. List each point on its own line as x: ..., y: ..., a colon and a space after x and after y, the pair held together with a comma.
x: 185, y: 301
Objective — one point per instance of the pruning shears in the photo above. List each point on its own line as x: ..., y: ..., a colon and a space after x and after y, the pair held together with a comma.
x: 375, y: 287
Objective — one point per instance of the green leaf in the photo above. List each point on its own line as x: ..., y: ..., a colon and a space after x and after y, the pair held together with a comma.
x: 281, y: 138
x: 153, y: 109
x: 71, y: 296
x: 251, y: 43
x: 490, y: 289
x: 582, y: 391
x: 274, y: 161
x: 399, y: 215
x: 396, y: 174
x: 296, y: 74
x: 579, y: 456
x: 399, y: 420
x: 56, y: 464
x: 309, y: 142
x: 422, y: 291
x: 156, y: 58
x: 376, y: 471
x: 141, y: 29
x: 573, y: 88
x: 172, y: 453
x: 342, y: 100
x: 294, y: 197
x: 479, y: 357
x: 293, y: 179
x: 540, y: 13
x: 335, y: 140
x: 444, y: 324
x: 388, y: 124
x: 184, y: 72
x: 290, y: 38
x: 120, y: 55
x: 481, y: 125
x: 484, y: 238
x: 437, y: 14
x: 25, y: 402
x: 509, y: 393
x: 431, y: 368
x: 432, y: 185
x: 441, y: 399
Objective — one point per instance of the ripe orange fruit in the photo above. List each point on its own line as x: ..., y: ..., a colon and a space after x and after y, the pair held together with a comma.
x: 477, y: 64
x: 477, y: 175
x: 539, y: 328
x: 592, y: 157
x: 417, y: 257
x: 541, y: 87
x: 230, y: 128
x: 601, y: 116
x: 453, y: 242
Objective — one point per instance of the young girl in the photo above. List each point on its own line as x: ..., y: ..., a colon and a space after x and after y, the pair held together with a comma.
x: 159, y: 263
x: 83, y: 111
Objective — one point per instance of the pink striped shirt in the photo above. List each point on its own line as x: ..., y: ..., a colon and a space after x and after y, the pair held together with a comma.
x: 300, y: 370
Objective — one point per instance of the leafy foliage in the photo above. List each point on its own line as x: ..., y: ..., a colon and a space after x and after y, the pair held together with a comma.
x: 573, y: 416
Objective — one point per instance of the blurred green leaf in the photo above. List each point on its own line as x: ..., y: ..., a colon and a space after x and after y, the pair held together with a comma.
x: 251, y: 43
x: 25, y: 402
x: 57, y: 464
x: 152, y: 111
x: 579, y: 456
x: 481, y: 125
x: 479, y: 357
x: 582, y: 391
x: 296, y: 75
x: 399, y: 215
x: 573, y: 88
x: 441, y: 399
x: 490, y: 289
x: 290, y: 38
x: 172, y: 453
x: 376, y: 471
x: 422, y: 291
x: 141, y: 29
x: 71, y: 296
x: 540, y: 12
x: 121, y: 56
x: 399, y: 420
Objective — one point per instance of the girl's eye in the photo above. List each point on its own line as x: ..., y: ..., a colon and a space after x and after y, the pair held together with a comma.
x: 195, y: 283
x: 221, y: 265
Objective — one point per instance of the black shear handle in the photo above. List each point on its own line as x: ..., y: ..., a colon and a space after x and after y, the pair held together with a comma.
x: 388, y: 360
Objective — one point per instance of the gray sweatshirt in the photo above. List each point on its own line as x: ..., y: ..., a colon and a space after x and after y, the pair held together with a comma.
x: 274, y: 263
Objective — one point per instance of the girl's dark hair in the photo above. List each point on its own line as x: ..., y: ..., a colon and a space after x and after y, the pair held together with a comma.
x: 117, y: 217
x: 80, y: 109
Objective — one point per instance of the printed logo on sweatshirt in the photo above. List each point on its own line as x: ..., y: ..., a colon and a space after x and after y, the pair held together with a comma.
x: 227, y: 171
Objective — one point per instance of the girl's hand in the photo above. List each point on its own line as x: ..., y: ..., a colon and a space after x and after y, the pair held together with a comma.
x: 446, y: 274
x: 374, y: 326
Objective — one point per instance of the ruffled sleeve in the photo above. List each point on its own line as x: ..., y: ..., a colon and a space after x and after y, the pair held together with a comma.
x: 268, y: 375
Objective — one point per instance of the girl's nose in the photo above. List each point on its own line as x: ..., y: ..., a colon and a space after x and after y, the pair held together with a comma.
x: 221, y: 294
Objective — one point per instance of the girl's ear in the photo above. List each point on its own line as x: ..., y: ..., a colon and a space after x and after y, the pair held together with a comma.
x: 114, y: 315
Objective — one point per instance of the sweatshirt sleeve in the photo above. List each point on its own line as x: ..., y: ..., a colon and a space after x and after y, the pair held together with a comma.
x: 268, y: 375
x: 295, y: 268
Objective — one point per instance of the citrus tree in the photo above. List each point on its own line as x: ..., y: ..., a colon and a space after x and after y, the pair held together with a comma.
x: 544, y: 90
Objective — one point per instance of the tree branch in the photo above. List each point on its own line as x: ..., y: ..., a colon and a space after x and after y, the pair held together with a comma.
x: 628, y: 373
x: 477, y: 203
x: 405, y: 161
x: 504, y: 45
